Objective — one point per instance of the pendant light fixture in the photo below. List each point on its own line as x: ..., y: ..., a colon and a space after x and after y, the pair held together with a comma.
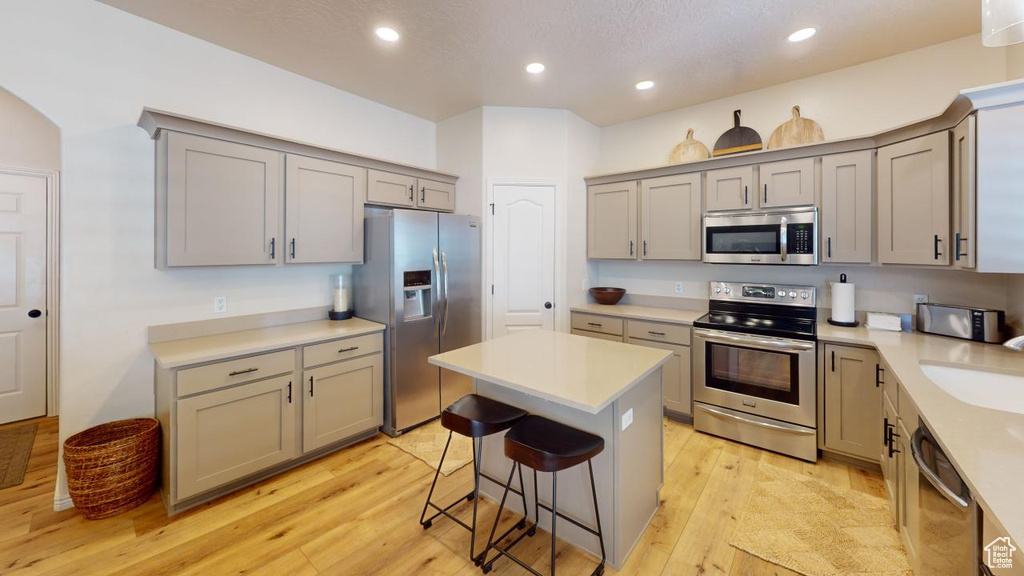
x: 1002, y: 22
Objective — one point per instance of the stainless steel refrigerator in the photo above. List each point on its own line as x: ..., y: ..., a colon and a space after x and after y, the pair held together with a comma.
x: 421, y: 278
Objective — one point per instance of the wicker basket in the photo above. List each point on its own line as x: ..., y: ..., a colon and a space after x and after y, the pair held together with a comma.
x: 112, y: 467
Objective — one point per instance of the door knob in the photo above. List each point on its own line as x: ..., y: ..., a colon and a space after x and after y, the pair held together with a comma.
x: 34, y: 313
x: 548, y: 305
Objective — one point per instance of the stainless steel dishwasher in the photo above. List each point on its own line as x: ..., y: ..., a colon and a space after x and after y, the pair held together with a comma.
x: 947, y: 539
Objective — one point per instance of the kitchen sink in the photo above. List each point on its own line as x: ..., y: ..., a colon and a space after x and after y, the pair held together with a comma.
x: 983, y: 388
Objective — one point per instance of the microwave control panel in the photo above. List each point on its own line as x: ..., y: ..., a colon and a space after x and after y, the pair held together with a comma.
x: 800, y: 238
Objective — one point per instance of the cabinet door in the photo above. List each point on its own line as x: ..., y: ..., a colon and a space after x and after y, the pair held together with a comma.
x: 229, y: 434
x: 853, y: 420
x: 611, y: 221
x: 889, y: 459
x: 676, y: 389
x: 847, y: 181
x: 730, y: 189
x: 323, y: 211
x: 670, y: 220
x: 598, y: 335
x: 789, y: 183
x: 433, y: 195
x: 913, y: 201
x: 909, y: 513
x: 223, y: 202
x: 390, y: 189
x: 964, y: 193
x: 342, y: 400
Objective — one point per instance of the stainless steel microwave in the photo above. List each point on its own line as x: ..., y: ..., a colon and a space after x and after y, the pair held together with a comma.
x: 777, y: 237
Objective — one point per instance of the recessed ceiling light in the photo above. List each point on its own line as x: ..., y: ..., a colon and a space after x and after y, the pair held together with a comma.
x: 645, y: 85
x: 535, y: 68
x: 387, y: 34
x: 802, y: 34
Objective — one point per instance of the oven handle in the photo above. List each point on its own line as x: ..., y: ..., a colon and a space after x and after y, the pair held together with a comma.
x: 784, y: 239
x: 931, y: 475
x: 779, y: 427
x: 753, y: 341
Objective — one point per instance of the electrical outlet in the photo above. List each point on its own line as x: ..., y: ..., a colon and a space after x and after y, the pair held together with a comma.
x: 920, y: 299
x: 679, y: 287
x: 220, y: 304
x: 627, y: 419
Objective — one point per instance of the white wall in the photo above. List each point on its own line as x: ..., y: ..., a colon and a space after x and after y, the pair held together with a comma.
x: 91, y: 69
x: 1015, y: 301
x: 854, y: 101
x: 27, y: 138
x: 460, y: 151
x: 1015, y: 62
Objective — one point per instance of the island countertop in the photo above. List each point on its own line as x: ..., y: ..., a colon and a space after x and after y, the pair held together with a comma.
x: 582, y: 373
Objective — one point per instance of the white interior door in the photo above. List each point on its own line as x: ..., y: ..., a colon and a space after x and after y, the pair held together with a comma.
x: 22, y: 297
x: 522, y: 258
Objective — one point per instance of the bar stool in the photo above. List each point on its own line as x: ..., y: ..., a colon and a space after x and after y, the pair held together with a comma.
x: 474, y: 416
x: 547, y: 446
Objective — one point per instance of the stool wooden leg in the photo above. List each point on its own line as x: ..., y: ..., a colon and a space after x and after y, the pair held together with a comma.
x: 430, y: 494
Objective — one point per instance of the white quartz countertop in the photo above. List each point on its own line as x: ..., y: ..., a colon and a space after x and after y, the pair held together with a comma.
x: 189, y: 351
x: 986, y: 445
x: 651, y: 313
x: 586, y: 374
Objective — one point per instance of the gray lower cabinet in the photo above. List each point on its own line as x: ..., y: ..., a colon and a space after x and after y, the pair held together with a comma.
x: 323, y: 211
x: 226, y: 435
x: 787, y: 183
x: 598, y: 335
x: 913, y: 201
x: 890, y: 454
x: 218, y: 202
x: 390, y: 189
x: 852, y: 401
x: 342, y: 400
x: 847, y: 189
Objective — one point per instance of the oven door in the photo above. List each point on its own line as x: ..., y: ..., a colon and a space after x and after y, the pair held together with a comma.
x: 767, y: 238
x: 770, y: 377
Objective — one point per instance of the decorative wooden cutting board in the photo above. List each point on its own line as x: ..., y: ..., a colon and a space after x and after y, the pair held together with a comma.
x: 737, y: 139
x: 796, y: 131
x: 689, y: 150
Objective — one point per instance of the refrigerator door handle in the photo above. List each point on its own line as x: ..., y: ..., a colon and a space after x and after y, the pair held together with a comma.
x: 444, y: 267
x: 437, y: 297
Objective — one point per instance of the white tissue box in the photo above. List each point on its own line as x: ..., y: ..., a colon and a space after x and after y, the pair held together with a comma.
x: 880, y: 321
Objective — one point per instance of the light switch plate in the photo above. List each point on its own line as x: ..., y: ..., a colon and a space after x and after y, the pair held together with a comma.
x: 920, y: 298
x: 679, y: 287
x: 220, y: 304
x: 627, y: 419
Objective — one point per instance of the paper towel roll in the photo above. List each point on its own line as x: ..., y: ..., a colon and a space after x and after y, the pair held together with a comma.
x: 842, y: 302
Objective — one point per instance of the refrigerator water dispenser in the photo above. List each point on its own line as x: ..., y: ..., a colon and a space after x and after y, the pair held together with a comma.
x: 416, y: 287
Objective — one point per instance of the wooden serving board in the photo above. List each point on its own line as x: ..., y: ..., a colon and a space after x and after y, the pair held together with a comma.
x: 795, y: 132
x: 689, y: 150
x: 737, y: 139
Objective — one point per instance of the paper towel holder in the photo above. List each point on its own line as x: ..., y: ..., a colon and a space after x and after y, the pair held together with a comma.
x: 854, y: 324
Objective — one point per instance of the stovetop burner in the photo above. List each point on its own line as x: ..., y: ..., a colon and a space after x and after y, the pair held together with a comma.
x: 778, y: 311
x: 780, y: 327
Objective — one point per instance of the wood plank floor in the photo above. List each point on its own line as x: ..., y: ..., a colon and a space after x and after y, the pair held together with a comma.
x: 355, y: 512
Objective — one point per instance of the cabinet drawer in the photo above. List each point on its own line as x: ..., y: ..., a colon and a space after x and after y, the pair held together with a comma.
x: 659, y: 332
x: 598, y: 335
x: 335, y: 350
x: 595, y: 323
x: 214, y: 376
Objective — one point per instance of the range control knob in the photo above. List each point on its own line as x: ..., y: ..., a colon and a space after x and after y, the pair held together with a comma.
x: 792, y: 294
x: 728, y: 290
x: 803, y: 295
x: 718, y: 289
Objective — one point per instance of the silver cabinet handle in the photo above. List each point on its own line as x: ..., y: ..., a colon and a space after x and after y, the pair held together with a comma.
x: 779, y: 427
x: 784, y: 239
x: 752, y: 341
x: 931, y: 476
x: 240, y: 372
x: 444, y: 276
x: 352, y: 349
x: 653, y: 333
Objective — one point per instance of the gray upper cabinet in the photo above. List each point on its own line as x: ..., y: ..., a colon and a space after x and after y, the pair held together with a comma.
x: 847, y: 183
x: 670, y: 217
x: 612, y: 221
x: 913, y: 201
x: 964, y: 193
x: 323, y: 211
x: 434, y: 195
x: 390, y: 189
x: 218, y: 202
x: 730, y: 189
x: 787, y: 183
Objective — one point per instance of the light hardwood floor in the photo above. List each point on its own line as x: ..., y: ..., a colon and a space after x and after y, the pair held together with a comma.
x: 355, y: 512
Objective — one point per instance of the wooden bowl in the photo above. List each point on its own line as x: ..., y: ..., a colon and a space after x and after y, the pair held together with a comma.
x: 609, y: 296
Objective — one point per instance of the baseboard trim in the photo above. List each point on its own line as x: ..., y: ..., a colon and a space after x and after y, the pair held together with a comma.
x: 60, y: 504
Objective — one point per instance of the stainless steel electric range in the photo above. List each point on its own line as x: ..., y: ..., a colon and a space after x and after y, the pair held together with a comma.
x: 754, y: 359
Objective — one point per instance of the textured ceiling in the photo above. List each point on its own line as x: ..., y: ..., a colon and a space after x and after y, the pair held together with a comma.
x: 456, y: 55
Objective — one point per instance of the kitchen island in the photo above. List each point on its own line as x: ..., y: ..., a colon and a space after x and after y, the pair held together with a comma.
x: 606, y: 388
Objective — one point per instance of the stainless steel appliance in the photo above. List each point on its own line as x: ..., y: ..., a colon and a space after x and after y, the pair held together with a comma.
x: 754, y: 372
x: 777, y: 237
x: 978, y: 324
x: 947, y: 514
x: 421, y: 278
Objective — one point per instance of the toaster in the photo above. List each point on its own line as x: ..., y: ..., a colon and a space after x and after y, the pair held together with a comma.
x: 977, y: 324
